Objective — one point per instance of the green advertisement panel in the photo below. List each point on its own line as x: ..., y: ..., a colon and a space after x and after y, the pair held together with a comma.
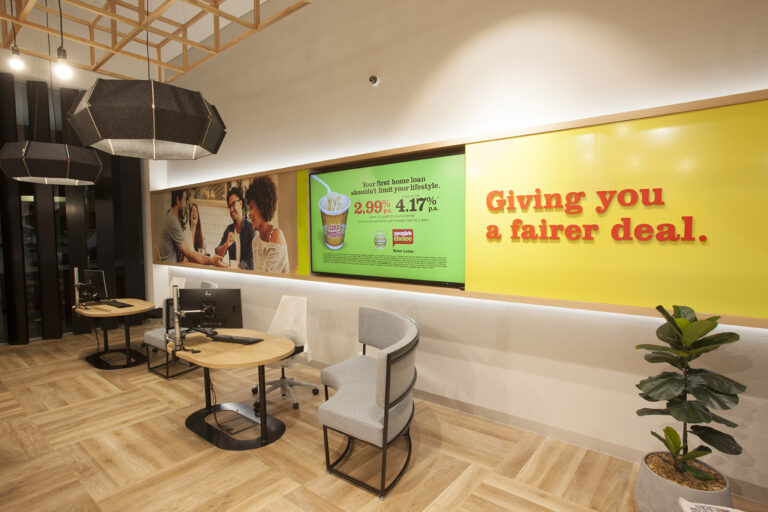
x: 402, y: 221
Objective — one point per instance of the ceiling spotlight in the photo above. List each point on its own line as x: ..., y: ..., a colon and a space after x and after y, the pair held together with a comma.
x: 16, y: 63
x: 62, y: 69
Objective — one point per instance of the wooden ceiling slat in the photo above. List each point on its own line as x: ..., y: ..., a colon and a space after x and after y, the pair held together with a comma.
x: 22, y: 11
x: 118, y: 39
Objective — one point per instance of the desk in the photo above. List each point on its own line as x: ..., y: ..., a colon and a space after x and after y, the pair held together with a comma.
x: 213, y: 354
x: 101, y: 311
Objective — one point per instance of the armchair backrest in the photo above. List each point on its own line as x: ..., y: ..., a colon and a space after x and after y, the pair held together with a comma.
x: 396, y: 364
x: 381, y: 328
x: 290, y: 320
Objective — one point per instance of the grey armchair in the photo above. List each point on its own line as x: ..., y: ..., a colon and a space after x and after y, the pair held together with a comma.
x: 374, y: 401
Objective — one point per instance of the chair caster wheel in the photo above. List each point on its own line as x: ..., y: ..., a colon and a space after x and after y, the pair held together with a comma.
x: 255, y: 390
x: 315, y: 391
x: 295, y: 406
x: 256, y: 407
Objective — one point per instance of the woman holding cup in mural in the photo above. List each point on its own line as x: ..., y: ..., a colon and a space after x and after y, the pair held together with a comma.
x: 193, y: 233
x: 270, y: 250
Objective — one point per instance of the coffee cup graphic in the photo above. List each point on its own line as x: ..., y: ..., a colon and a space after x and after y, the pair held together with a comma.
x: 334, y: 208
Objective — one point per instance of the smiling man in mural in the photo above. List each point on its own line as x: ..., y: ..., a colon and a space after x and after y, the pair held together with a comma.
x: 238, y: 236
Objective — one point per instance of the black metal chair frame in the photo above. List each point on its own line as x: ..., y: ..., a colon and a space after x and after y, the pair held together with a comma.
x: 169, y: 359
x: 384, y: 489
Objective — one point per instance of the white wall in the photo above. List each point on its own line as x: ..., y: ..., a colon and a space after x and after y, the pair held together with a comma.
x: 298, y: 93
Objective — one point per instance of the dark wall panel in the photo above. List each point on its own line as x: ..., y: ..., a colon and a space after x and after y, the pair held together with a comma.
x: 47, y: 255
x: 13, y: 240
x: 105, y: 227
x: 77, y: 224
x: 132, y: 226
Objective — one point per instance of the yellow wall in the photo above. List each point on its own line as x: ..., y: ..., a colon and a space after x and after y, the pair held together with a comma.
x: 712, y: 168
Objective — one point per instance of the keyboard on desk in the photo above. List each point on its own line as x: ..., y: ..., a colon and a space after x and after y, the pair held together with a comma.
x: 117, y: 304
x: 242, y: 340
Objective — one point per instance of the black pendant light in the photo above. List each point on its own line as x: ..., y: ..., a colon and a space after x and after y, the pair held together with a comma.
x: 147, y: 119
x: 47, y: 162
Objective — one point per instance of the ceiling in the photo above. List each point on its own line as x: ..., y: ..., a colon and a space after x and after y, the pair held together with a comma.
x: 114, y: 37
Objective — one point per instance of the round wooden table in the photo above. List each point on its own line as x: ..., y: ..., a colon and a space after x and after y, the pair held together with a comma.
x: 200, y: 350
x: 101, y: 311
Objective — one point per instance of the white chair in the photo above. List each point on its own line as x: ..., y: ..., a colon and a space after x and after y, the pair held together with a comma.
x: 290, y: 321
x: 208, y: 285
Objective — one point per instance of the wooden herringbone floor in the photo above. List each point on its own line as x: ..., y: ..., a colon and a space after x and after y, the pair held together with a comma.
x: 76, y: 438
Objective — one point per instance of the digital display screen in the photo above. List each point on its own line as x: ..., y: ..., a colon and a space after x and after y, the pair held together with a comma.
x: 400, y: 221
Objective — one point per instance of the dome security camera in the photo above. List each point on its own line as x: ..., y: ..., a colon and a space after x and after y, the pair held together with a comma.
x: 374, y: 80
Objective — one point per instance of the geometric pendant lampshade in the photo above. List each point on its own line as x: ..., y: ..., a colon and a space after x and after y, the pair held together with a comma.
x: 147, y: 119
x: 50, y: 163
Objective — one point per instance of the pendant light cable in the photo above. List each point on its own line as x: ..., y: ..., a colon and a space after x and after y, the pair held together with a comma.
x: 146, y: 31
x: 13, y: 25
x: 61, y: 26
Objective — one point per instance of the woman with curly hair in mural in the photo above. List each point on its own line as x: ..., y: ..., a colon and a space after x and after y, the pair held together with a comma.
x: 270, y: 251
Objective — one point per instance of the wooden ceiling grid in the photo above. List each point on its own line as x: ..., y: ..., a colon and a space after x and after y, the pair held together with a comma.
x: 101, y: 20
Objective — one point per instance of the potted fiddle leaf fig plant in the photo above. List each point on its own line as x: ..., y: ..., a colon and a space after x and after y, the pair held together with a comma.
x: 688, y: 395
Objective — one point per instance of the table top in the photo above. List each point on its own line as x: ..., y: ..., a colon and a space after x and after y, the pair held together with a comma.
x: 104, y: 311
x: 215, y: 354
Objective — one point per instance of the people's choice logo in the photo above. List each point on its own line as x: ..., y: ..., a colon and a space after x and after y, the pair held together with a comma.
x: 402, y: 236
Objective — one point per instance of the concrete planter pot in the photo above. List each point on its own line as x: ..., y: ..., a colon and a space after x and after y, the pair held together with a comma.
x: 654, y: 493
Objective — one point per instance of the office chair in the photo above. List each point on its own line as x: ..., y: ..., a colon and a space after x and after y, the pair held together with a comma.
x: 290, y: 321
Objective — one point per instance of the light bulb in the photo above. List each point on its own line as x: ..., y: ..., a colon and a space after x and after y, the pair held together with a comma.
x: 62, y: 69
x: 15, y: 62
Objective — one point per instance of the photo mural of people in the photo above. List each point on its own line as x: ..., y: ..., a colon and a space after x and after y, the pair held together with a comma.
x: 174, y: 246
x: 243, y: 223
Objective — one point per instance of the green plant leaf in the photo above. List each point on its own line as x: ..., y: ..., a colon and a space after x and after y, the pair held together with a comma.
x: 645, y: 396
x: 646, y: 411
x: 682, y: 323
x: 696, y: 330
x: 664, y: 386
x: 720, y: 401
x: 718, y: 440
x: 689, y: 412
x: 694, y: 353
x: 657, y: 436
x: 673, y: 440
x: 695, y: 454
x: 669, y: 334
x: 723, y: 421
x: 720, y: 338
x: 664, y: 357
x: 684, y: 312
x: 718, y: 382
x: 696, y: 472
x: 662, y: 348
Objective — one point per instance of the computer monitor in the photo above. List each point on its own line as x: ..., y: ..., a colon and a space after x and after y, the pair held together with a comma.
x: 90, y: 285
x: 216, y: 307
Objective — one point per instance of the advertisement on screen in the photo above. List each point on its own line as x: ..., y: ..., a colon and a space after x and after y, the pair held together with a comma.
x: 400, y: 221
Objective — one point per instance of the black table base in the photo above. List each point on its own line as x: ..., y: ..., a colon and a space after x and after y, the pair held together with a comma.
x: 211, y: 433
x: 224, y: 440
x: 134, y: 358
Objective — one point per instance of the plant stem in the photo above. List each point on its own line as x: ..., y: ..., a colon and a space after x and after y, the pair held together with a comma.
x: 685, y: 397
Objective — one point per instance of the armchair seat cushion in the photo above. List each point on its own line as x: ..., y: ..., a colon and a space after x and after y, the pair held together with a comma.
x: 353, y: 410
x: 360, y: 369
x: 155, y: 338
